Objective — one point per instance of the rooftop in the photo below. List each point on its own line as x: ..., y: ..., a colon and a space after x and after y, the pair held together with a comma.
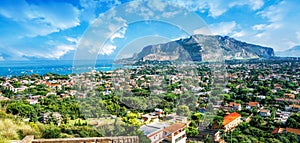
x: 252, y: 104
x: 231, y: 117
x: 175, y: 127
x: 153, y: 127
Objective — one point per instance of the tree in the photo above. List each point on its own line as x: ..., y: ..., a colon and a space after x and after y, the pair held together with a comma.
x: 218, y: 122
x: 21, y: 109
x: 197, y: 117
x: 292, y: 123
x: 183, y: 110
x: 192, y: 131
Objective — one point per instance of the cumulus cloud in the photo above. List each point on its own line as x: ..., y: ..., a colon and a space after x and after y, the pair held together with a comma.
x: 223, y: 28
x: 41, y: 18
x: 283, y: 20
x: 239, y: 34
x: 275, y: 13
x: 107, y: 49
x: 54, y: 53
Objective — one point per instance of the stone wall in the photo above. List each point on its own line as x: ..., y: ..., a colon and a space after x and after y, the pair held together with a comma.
x: 121, y: 139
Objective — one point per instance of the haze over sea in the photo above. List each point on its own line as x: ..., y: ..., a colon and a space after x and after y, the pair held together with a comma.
x: 41, y: 67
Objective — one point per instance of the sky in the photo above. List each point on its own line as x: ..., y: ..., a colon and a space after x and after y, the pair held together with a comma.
x: 55, y: 29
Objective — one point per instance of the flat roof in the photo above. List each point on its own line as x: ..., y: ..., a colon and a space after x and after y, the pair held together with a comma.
x: 153, y: 127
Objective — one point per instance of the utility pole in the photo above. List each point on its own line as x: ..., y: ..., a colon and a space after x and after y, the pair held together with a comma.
x: 230, y: 136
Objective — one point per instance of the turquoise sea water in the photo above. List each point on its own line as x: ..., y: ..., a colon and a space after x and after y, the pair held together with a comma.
x: 16, y: 68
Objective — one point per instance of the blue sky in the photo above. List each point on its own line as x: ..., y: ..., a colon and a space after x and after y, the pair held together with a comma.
x: 54, y: 29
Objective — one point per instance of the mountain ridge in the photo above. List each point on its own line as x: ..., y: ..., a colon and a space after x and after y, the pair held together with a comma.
x: 292, y: 52
x: 202, y: 48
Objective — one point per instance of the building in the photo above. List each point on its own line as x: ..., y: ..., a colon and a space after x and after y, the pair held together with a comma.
x: 289, y: 95
x: 176, y: 133
x: 117, y: 139
x: 235, y: 106
x: 264, y: 113
x: 214, y: 135
x: 251, y: 105
x: 286, y: 130
x: 154, y: 131
x: 282, y: 100
x: 293, y: 107
x: 164, y: 132
x: 231, y: 121
x: 2, y: 98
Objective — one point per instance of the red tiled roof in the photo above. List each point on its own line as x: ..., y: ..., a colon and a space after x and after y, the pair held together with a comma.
x: 275, y: 131
x: 292, y: 130
x: 287, y: 99
x: 231, y: 104
x: 295, y: 106
x: 252, y: 104
x: 175, y: 127
x: 231, y: 117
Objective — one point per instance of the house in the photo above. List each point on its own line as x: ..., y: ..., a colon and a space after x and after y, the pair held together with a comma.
x: 286, y: 130
x: 32, y: 101
x: 147, y: 118
x: 176, y: 133
x: 231, y: 121
x: 293, y: 107
x: 235, y: 106
x: 251, y: 105
x: 264, y: 113
x: 2, y: 98
x: 283, y: 116
x: 288, y: 95
x: 214, y: 135
x: 158, y: 112
x: 173, y: 118
x: 154, y: 131
x: 55, y: 116
x: 280, y: 100
x: 164, y: 132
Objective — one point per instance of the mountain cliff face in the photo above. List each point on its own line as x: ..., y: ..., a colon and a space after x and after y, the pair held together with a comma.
x: 293, y: 52
x: 201, y: 48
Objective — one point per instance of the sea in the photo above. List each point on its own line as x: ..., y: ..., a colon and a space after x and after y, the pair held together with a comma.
x: 41, y: 67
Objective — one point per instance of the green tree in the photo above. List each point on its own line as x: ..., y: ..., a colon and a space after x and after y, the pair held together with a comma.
x: 183, y: 110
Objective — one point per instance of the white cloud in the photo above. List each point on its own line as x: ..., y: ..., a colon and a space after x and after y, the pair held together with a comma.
x: 274, y: 13
x: 223, y: 28
x: 203, y: 30
x: 259, y: 27
x: 61, y: 50
x: 1, y: 58
x: 72, y: 40
x: 279, y: 29
x: 217, y: 8
x: 54, y: 53
x: 41, y: 19
x: 298, y: 35
x: 157, y: 5
x: 107, y: 49
x: 119, y: 34
x: 239, y: 34
x: 254, y: 4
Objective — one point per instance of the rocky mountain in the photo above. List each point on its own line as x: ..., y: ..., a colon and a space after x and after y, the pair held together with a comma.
x: 292, y: 52
x: 203, y: 48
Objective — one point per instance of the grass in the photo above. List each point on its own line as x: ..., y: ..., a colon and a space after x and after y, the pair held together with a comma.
x: 13, y: 129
